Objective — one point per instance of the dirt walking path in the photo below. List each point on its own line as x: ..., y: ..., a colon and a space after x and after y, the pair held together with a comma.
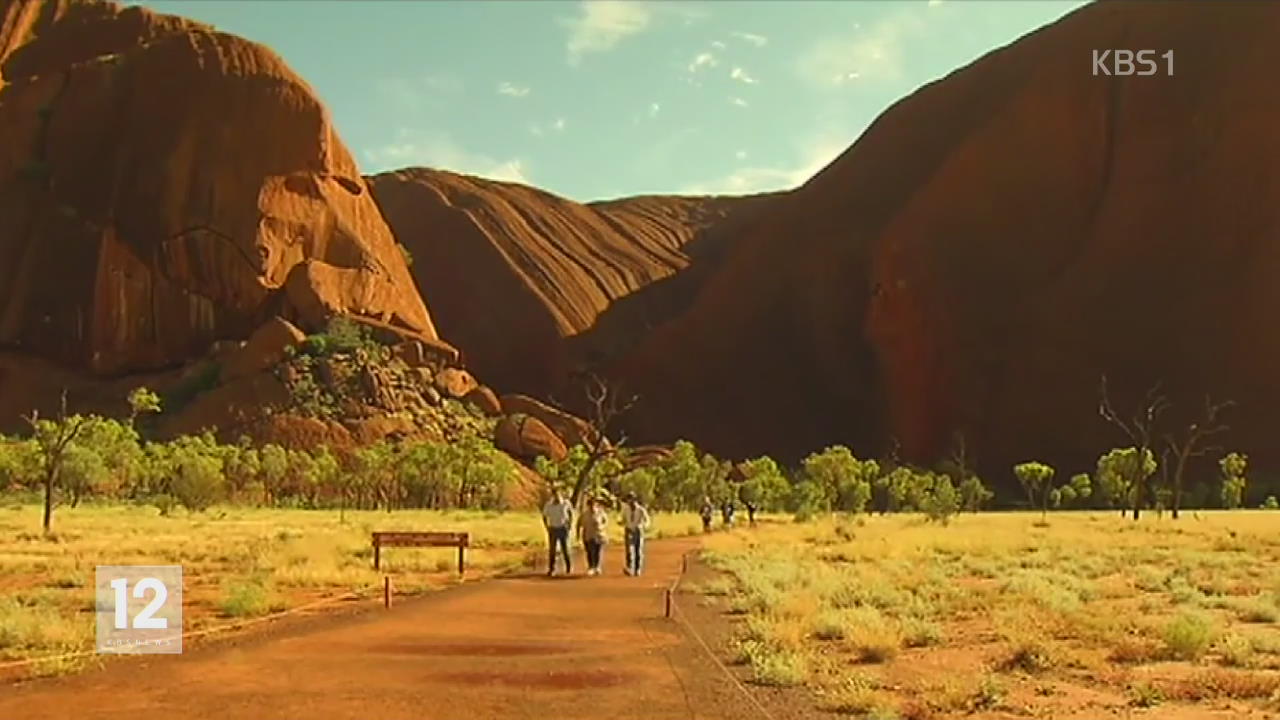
x: 573, y: 648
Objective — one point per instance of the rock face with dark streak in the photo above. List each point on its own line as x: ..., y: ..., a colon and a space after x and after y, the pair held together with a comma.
x: 164, y: 185
x: 529, y: 285
x: 994, y: 244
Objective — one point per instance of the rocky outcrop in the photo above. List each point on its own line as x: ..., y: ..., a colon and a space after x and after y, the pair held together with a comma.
x: 164, y: 185
x: 571, y: 429
x: 526, y: 437
x: 995, y: 243
x: 530, y: 285
x: 265, y: 348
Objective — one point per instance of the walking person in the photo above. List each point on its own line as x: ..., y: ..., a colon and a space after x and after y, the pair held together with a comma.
x: 751, y: 512
x: 592, y: 527
x: 557, y: 516
x: 635, y: 519
x: 727, y: 512
x: 708, y: 511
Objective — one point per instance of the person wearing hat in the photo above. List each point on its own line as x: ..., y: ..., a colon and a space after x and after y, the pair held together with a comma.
x: 592, y: 528
x: 635, y: 519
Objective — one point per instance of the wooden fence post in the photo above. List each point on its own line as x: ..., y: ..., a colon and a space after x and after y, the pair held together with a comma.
x: 462, y: 567
x: 386, y: 591
x: 668, y: 612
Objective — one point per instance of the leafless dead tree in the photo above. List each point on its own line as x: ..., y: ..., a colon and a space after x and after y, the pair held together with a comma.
x: 1192, y: 444
x: 1140, y: 429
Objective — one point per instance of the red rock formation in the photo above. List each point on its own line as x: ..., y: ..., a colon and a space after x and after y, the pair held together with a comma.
x: 510, y: 271
x: 163, y: 185
x: 996, y: 242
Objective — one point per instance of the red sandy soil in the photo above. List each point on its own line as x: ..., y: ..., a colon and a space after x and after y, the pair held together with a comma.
x: 521, y: 647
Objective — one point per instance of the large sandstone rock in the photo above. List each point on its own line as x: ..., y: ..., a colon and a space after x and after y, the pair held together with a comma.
x: 485, y: 400
x: 571, y: 429
x: 455, y: 383
x: 996, y: 242
x: 265, y: 348
x: 163, y: 184
x: 527, y: 438
x: 529, y: 284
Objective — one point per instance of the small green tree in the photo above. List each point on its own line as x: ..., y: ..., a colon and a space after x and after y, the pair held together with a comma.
x: 806, y: 500
x: 973, y: 494
x: 1037, y: 480
x: 142, y: 401
x: 1233, y: 466
x: 1120, y: 472
x: 1078, y: 488
x: 938, y: 500
x: 845, y: 480
x: 54, y: 440
x: 764, y: 483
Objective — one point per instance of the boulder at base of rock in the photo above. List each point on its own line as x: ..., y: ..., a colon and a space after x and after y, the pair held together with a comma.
x: 527, y: 437
x: 572, y: 429
x: 485, y: 400
x: 266, y: 347
x: 455, y: 383
x: 366, y: 431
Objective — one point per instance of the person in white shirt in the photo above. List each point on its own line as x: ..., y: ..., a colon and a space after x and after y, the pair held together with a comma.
x: 557, y: 516
x: 635, y: 519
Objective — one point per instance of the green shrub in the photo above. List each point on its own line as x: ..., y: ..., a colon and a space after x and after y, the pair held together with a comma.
x: 776, y: 667
x: 1188, y: 636
x: 1236, y: 651
x: 248, y: 598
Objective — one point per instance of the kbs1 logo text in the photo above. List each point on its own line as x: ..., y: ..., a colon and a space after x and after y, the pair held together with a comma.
x: 1132, y: 62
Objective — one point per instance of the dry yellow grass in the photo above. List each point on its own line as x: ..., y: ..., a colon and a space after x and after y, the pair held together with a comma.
x: 1052, y: 615
x: 236, y: 562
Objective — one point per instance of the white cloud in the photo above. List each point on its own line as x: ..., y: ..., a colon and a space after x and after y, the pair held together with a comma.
x: 515, y: 91
x: 738, y: 101
x: 558, y: 125
x: 602, y: 24
x: 935, y: 3
x: 536, y: 130
x: 718, y: 45
x: 440, y: 151
x: 816, y: 155
x: 653, y: 109
x: 875, y: 53
x: 741, y: 76
x: 741, y: 154
x: 703, y: 60
x: 754, y: 39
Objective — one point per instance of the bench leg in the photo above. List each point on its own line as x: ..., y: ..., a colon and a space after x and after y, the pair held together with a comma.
x: 377, y: 557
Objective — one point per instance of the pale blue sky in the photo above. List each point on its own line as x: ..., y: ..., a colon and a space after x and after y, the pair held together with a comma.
x: 600, y: 99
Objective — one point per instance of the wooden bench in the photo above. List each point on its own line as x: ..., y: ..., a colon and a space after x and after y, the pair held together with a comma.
x: 459, y: 540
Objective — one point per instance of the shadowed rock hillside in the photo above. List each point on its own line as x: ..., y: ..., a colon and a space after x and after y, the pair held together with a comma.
x: 995, y: 243
x: 510, y: 272
x: 164, y: 185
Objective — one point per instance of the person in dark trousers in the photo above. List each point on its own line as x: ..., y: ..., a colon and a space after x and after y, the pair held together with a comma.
x: 557, y: 516
x: 708, y: 512
x: 592, y: 526
x: 635, y: 519
x: 727, y: 512
x: 751, y: 513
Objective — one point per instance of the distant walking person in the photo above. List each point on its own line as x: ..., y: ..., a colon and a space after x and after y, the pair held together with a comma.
x: 727, y: 512
x: 635, y: 519
x: 592, y: 527
x: 708, y: 512
x: 751, y: 512
x: 557, y: 515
